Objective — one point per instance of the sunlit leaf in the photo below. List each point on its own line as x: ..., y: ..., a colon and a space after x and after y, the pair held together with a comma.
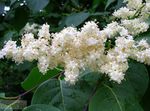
x: 37, y: 5
x: 76, y: 19
x: 35, y: 78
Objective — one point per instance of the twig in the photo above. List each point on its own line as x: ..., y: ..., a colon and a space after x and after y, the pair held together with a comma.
x: 9, y: 106
x: 19, y: 96
x: 92, y: 94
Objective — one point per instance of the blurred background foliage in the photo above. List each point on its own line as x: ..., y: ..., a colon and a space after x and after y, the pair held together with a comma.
x: 14, y: 14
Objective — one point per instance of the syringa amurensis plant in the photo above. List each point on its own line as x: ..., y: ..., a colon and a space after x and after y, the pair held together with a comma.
x: 75, y: 50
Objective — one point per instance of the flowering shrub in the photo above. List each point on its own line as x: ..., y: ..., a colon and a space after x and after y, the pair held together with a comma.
x: 94, y: 69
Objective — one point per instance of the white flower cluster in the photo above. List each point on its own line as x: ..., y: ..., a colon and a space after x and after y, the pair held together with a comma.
x: 30, y: 28
x: 30, y: 49
x: 128, y: 15
x: 146, y: 10
x: 135, y: 26
x: 124, y: 13
x: 117, y: 57
x: 134, y: 4
x: 114, y: 29
x: 77, y: 50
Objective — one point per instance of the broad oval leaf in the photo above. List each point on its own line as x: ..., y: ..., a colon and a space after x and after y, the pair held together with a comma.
x: 61, y: 95
x: 115, y: 98
x: 40, y: 107
x: 138, y: 77
x: 125, y: 96
x: 64, y: 96
x: 35, y: 78
x: 37, y: 5
x: 76, y: 18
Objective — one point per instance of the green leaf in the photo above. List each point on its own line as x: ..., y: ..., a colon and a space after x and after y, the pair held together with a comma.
x: 62, y: 95
x: 145, y: 100
x: 120, y: 97
x: 40, y: 107
x: 35, y: 78
x: 90, y: 77
x: 138, y: 77
x: 76, y: 18
x: 145, y: 35
x: 37, y: 5
x: 125, y: 96
x: 109, y: 2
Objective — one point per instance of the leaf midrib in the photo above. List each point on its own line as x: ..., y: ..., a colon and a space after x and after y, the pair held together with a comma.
x: 62, y: 95
x: 115, y: 96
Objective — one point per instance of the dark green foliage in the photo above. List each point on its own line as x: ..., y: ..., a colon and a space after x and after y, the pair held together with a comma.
x: 95, y: 92
x: 65, y: 96
x: 124, y: 96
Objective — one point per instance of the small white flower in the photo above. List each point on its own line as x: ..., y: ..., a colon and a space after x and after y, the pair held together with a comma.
x: 6, y: 8
x: 135, y: 26
x: 44, y: 32
x: 124, y: 13
x: 116, y: 76
x: 134, y: 4
x: 43, y: 64
x: 91, y: 41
